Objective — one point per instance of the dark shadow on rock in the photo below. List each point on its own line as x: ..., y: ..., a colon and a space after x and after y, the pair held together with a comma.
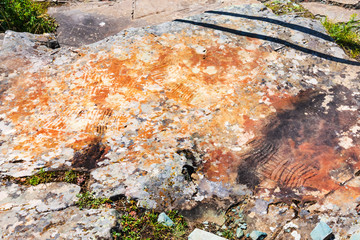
x: 89, y: 156
x: 330, y: 237
x: 277, y: 22
x: 271, y: 39
x: 299, y: 140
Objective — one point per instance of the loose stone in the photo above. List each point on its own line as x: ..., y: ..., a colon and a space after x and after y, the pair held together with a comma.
x: 165, y: 220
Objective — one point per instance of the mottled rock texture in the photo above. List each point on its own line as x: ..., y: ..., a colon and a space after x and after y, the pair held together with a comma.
x: 193, y: 114
x: 46, y: 211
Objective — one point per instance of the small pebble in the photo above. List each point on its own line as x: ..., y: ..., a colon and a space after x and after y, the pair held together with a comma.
x: 243, y: 226
x: 165, y: 220
x: 239, y: 233
x: 257, y: 235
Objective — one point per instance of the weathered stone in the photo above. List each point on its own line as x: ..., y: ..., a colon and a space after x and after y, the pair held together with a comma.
x: 43, y: 197
x: 45, y: 211
x: 70, y: 223
x: 275, y: 216
x: 334, y: 13
x: 199, y: 234
x: 25, y: 50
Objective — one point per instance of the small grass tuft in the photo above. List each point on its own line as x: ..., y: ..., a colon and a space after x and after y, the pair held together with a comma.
x: 281, y: 7
x: 138, y: 223
x: 347, y: 35
x: 70, y: 176
x: 228, y: 234
x: 41, y: 177
x: 88, y: 200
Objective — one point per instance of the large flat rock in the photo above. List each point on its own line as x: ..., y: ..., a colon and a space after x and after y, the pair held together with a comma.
x: 193, y: 114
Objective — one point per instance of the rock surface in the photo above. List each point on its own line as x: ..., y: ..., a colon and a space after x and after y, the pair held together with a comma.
x: 70, y: 223
x: 195, y: 114
x: 352, y: 2
x: 334, y: 13
x: 2, y: 35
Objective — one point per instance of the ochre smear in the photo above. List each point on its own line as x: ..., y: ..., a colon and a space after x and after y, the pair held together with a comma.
x: 105, y: 95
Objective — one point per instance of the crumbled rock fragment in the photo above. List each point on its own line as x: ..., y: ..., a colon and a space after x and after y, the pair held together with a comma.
x: 257, y: 235
x: 321, y: 232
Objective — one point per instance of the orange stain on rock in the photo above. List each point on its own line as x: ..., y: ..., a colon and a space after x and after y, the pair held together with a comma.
x: 213, y: 93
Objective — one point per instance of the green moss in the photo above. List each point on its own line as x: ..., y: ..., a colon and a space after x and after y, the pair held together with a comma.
x: 88, y: 200
x: 142, y: 224
x: 228, y: 234
x: 41, y: 177
x: 287, y: 7
x: 347, y: 35
x: 70, y: 176
x: 25, y: 16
